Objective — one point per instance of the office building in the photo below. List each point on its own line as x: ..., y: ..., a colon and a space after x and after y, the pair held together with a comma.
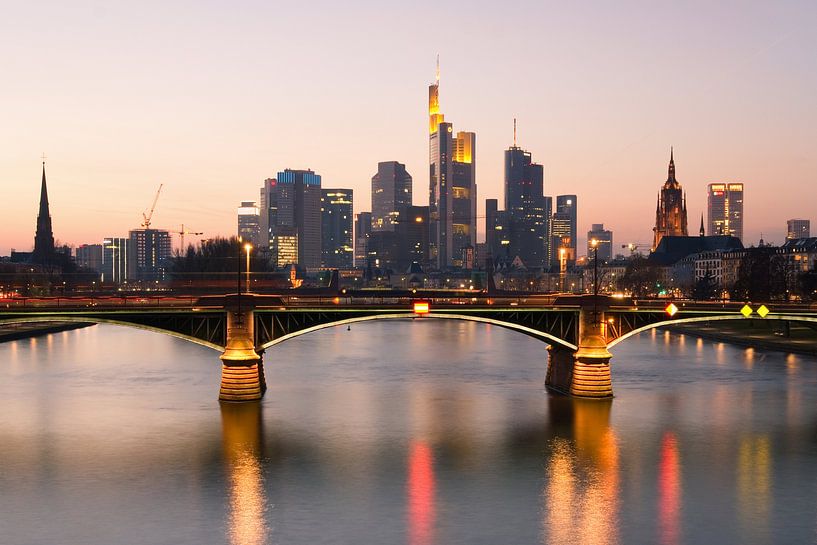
x: 89, y: 256
x: 116, y: 260
x: 363, y: 229
x: 725, y: 210
x: 249, y: 223
x: 525, y: 207
x: 671, y: 209
x: 337, y: 250
x: 798, y: 229
x: 563, y: 230
x: 151, y: 254
x: 452, y: 187
x: 391, y: 194
x: 604, y: 243
x: 293, y: 218
x: 413, y: 237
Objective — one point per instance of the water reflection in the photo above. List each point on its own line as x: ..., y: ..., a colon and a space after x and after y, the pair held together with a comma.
x: 582, y: 491
x: 754, y: 485
x: 669, y: 491
x: 241, y: 436
x: 421, y: 484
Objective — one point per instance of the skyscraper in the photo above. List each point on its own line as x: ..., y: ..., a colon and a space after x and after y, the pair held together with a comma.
x: 725, y: 210
x: 563, y: 230
x: 293, y: 203
x: 363, y: 228
x: 249, y: 225
x: 413, y: 236
x: 116, y: 260
x: 798, y: 229
x: 391, y: 194
x: 336, y: 228
x: 44, y: 236
x: 452, y: 186
x: 604, y: 239
x: 671, y: 209
x: 525, y: 206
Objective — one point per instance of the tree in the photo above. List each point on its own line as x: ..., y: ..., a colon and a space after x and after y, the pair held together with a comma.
x: 705, y: 288
x: 640, y: 277
x: 215, y: 259
x: 807, y: 285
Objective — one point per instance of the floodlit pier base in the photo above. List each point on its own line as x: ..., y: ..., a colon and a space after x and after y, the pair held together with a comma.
x: 586, y: 372
x: 242, y: 372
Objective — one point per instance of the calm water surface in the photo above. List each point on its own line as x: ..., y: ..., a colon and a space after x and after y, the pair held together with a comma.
x: 418, y: 432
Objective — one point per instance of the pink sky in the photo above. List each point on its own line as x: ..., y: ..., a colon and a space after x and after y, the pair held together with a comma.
x: 210, y: 98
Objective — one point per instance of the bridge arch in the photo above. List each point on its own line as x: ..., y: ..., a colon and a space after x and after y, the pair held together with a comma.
x: 101, y: 320
x: 546, y: 337
x: 725, y: 317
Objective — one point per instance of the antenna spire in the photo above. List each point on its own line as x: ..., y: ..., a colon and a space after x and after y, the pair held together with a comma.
x: 514, y: 132
x: 438, y: 69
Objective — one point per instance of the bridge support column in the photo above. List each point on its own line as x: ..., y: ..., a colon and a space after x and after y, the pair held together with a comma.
x: 242, y: 373
x: 586, y: 372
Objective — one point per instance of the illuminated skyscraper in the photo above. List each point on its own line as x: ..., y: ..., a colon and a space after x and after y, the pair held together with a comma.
x: 336, y: 228
x: 391, y: 195
x: 452, y: 187
x: 249, y: 228
x: 151, y: 254
x: 116, y: 260
x: 563, y: 230
x: 725, y: 210
x: 293, y: 208
x: 798, y: 229
x: 671, y: 209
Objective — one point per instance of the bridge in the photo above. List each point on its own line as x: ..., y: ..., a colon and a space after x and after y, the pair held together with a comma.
x: 579, y: 329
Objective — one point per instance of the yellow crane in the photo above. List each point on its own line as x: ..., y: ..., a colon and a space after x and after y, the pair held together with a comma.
x: 149, y: 215
x: 181, y: 234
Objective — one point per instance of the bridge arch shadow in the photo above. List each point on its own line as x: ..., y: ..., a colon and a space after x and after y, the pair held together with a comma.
x: 699, y: 319
x: 540, y: 335
x: 101, y: 320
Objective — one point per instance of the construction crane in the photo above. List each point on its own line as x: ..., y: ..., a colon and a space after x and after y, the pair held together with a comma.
x: 146, y: 222
x: 636, y: 247
x: 181, y: 234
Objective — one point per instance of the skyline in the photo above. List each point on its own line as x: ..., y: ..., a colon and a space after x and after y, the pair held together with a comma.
x: 204, y: 120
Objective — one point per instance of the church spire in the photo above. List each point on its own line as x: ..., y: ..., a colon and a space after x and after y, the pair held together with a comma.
x: 702, y: 224
x: 671, y: 170
x: 44, y: 237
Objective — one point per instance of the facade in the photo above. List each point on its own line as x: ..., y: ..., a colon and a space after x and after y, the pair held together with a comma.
x: 563, y: 231
x: 336, y: 229
x: 413, y: 234
x: 293, y: 210
x: 391, y: 194
x: 151, y: 254
x: 249, y: 224
x: 798, y: 229
x: 605, y: 242
x: 363, y: 229
x: 528, y: 220
x: 725, y: 210
x: 117, y: 264
x: 452, y: 187
x: 671, y: 209
x: 89, y: 256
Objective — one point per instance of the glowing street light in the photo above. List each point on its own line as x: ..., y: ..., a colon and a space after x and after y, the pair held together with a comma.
x: 248, y: 249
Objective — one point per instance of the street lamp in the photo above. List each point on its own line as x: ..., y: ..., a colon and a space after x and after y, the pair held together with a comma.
x: 594, y: 243
x: 248, y: 249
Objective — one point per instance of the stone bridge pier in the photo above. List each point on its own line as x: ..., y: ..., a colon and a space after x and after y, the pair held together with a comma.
x: 585, y: 372
x: 242, y: 370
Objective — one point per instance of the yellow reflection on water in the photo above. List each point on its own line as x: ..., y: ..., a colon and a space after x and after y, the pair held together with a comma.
x: 581, y: 496
x: 241, y: 437
x: 754, y: 484
x: 669, y: 491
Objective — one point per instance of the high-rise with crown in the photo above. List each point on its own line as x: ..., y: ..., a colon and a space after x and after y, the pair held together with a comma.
x: 671, y: 210
x: 452, y: 187
x: 44, y: 237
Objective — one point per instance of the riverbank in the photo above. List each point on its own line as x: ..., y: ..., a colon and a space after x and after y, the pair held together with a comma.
x: 759, y: 334
x: 14, y: 332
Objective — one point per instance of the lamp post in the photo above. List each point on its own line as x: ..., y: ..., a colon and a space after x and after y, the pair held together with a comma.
x: 248, y: 249
x: 595, y: 245
x: 238, y: 278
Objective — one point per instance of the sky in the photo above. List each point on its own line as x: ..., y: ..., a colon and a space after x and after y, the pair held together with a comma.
x: 211, y: 97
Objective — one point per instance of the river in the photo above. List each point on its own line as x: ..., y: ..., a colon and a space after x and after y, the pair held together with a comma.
x: 410, y: 432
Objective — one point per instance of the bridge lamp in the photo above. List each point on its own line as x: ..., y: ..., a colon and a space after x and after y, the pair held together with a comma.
x: 421, y: 307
